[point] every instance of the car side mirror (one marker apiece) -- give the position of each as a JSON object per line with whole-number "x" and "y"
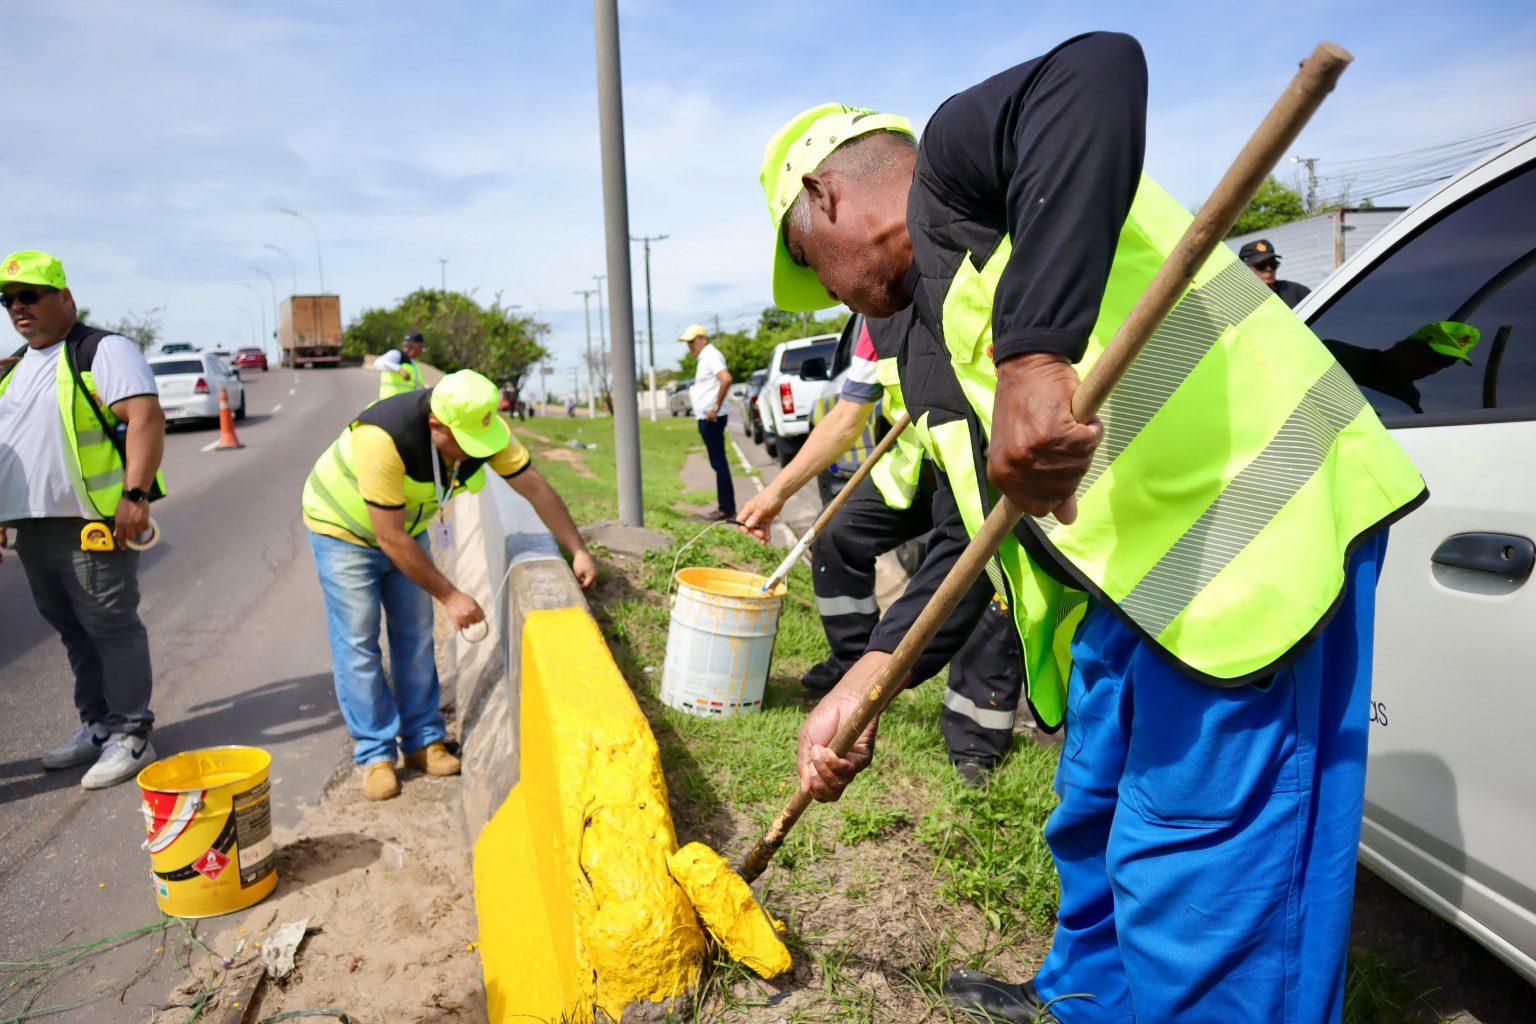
{"x": 814, "y": 368}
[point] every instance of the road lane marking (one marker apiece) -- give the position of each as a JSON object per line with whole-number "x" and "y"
{"x": 293, "y": 391}
{"x": 278, "y": 407}
{"x": 210, "y": 446}
{"x": 757, "y": 481}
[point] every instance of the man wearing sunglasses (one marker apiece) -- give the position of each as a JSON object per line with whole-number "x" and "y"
{"x": 81, "y": 437}
{"x": 1264, "y": 261}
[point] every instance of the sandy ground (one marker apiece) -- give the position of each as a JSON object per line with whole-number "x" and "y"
{"x": 388, "y": 893}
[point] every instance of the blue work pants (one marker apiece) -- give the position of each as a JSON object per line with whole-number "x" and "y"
{"x": 1206, "y": 837}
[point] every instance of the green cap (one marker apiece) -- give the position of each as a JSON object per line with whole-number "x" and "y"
{"x": 30, "y": 267}
{"x": 466, "y": 402}
{"x": 1449, "y": 338}
{"x": 796, "y": 150}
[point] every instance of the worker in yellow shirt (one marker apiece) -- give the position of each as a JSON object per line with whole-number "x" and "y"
{"x": 370, "y": 503}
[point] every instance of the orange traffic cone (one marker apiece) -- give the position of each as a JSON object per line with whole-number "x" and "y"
{"x": 227, "y": 438}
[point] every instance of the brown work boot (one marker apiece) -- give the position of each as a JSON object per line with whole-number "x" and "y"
{"x": 433, "y": 759}
{"x": 379, "y": 782}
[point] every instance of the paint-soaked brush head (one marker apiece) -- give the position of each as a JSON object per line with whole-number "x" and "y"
{"x": 725, "y": 903}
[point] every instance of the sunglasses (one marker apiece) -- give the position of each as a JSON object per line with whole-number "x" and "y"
{"x": 1266, "y": 265}
{"x": 27, "y": 296}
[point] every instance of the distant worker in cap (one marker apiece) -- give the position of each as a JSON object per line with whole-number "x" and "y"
{"x": 1264, "y": 261}
{"x": 369, "y": 503}
{"x": 76, "y": 487}
{"x": 397, "y": 368}
{"x": 1394, "y": 371}
{"x": 710, "y": 382}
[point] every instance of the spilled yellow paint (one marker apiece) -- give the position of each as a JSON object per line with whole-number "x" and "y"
{"x": 731, "y": 913}
{"x": 577, "y": 908}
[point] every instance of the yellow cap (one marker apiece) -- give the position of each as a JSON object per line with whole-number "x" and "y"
{"x": 31, "y": 267}
{"x": 466, "y": 402}
{"x": 796, "y": 150}
{"x": 693, "y": 331}
{"x": 1449, "y": 338}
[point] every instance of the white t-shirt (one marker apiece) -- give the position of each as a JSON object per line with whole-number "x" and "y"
{"x": 706, "y": 381}
{"x": 389, "y": 361}
{"x": 35, "y": 478}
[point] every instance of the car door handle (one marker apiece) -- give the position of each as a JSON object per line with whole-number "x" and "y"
{"x": 1502, "y": 554}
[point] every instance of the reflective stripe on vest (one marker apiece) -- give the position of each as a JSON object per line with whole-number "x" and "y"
{"x": 331, "y": 494}
{"x": 897, "y": 474}
{"x": 1238, "y": 466}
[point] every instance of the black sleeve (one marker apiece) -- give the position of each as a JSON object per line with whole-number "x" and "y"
{"x": 947, "y": 542}
{"x": 1055, "y": 146}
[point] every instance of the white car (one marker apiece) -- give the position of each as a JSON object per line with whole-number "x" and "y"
{"x": 189, "y": 386}
{"x": 789, "y": 392}
{"x": 1448, "y": 817}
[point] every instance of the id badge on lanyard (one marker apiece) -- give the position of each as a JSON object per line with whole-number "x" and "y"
{"x": 442, "y": 530}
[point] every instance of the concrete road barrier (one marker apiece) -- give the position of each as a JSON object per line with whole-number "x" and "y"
{"x": 564, "y": 798}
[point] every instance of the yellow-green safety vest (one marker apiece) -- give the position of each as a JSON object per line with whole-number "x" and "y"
{"x": 408, "y": 379}
{"x": 331, "y": 494}
{"x": 1238, "y": 467}
{"x": 899, "y": 470}
{"x": 95, "y": 465}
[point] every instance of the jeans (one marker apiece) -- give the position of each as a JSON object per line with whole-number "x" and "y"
{"x": 1206, "y": 837}
{"x": 91, "y": 598}
{"x": 714, "y": 443}
{"x": 359, "y": 584}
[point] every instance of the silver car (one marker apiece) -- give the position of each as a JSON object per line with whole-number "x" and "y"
{"x": 189, "y": 386}
{"x": 1448, "y": 817}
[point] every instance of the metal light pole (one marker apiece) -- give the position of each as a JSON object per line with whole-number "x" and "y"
{"x": 261, "y": 306}
{"x": 650, "y": 323}
{"x": 275, "y": 311}
{"x": 319, "y": 258}
{"x": 1311, "y": 162}
{"x": 247, "y": 311}
{"x": 443, "y": 266}
{"x": 586, "y": 304}
{"x": 293, "y": 268}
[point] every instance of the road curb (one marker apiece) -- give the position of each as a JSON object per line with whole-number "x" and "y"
{"x": 563, "y": 796}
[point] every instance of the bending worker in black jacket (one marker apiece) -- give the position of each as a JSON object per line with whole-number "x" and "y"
{"x": 1209, "y": 550}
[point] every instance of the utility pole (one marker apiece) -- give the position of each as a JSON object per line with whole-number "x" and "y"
{"x": 610, "y": 109}
{"x": 586, "y": 304}
{"x": 544, "y": 380}
{"x": 443, "y": 276}
{"x": 717, "y": 328}
{"x": 275, "y": 315}
{"x": 602, "y": 338}
{"x": 262, "y": 306}
{"x": 650, "y": 322}
{"x": 1311, "y": 162}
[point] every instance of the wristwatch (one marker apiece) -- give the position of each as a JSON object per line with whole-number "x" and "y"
{"x": 135, "y": 494}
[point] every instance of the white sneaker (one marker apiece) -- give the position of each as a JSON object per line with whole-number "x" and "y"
{"x": 84, "y": 746}
{"x": 121, "y": 758}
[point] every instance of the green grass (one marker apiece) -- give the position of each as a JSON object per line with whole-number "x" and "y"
{"x": 728, "y": 778}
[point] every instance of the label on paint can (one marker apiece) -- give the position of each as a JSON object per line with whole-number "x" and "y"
{"x": 253, "y": 834}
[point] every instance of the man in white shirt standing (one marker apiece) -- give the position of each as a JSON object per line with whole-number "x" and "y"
{"x": 81, "y": 438}
{"x": 397, "y": 369}
{"x": 710, "y": 382}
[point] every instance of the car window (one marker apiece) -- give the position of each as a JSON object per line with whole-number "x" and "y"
{"x": 171, "y": 366}
{"x": 846, "y": 344}
{"x": 795, "y": 358}
{"x": 1475, "y": 264}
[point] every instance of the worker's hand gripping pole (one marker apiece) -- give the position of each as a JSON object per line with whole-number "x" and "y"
{"x": 836, "y": 504}
{"x": 1264, "y": 149}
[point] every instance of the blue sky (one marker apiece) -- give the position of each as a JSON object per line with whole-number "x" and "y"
{"x": 155, "y": 141}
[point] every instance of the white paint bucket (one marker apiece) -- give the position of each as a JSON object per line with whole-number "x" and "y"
{"x": 720, "y": 642}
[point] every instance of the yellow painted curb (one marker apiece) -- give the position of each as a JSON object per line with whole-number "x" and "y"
{"x": 577, "y": 908}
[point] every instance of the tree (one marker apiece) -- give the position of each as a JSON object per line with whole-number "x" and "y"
{"x": 459, "y": 332}
{"x": 143, "y": 329}
{"x": 1273, "y": 205}
{"x": 601, "y": 370}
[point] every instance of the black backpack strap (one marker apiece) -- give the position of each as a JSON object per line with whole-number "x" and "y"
{"x": 80, "y": 346}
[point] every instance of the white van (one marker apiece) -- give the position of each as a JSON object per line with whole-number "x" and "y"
{"x": 1449, "y": 817}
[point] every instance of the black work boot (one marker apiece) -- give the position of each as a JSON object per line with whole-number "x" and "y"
{"x": 975, "y": 772}
{"x": 821, "y": 678}
{"x": 987, "y": 999}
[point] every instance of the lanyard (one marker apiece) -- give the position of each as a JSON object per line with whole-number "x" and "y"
{"x": 437, "y": 477}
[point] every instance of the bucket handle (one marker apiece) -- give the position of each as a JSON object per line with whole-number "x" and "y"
{"x": 672, "y": 579}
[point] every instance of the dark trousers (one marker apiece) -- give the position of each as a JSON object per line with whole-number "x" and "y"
{"x": 91, "y": 598}
{"x": 713, "y": 434}
{"x": 986, "y": 675}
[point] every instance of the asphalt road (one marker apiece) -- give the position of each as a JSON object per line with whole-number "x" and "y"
{"x": 237, "y": 634}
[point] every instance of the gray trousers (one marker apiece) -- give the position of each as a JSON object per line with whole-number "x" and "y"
{"x": 91, "y": 598}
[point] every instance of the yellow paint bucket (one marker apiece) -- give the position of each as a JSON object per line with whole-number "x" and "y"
{"x": 208, "y": 821}
{"x": 719, "y": 642}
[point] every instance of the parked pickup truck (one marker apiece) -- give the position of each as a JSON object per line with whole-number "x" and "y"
{"x": 797, "y": 372}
